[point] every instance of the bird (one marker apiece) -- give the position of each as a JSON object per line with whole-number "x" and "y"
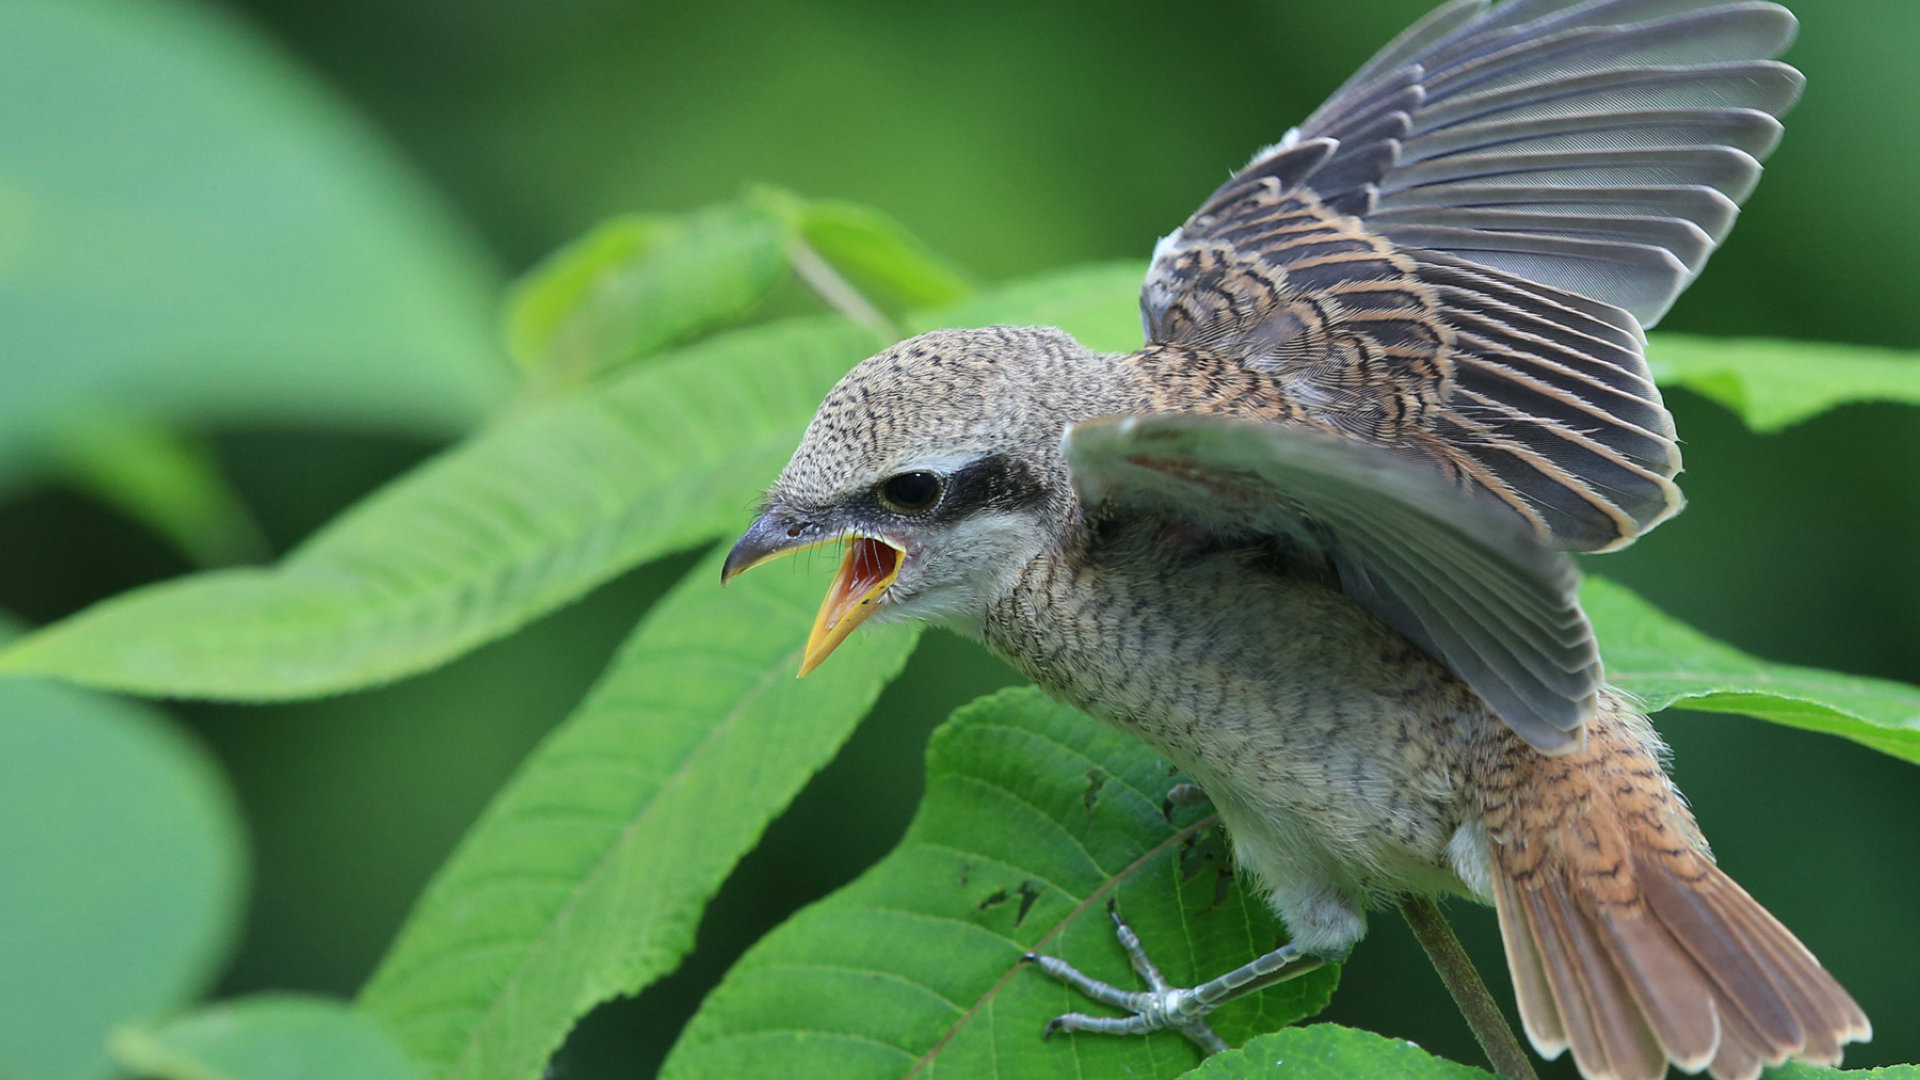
{"x": 1313, "y": 541}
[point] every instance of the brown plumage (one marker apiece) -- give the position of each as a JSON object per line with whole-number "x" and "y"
{"x": 1626, "y": 943}
{"x": 1310, "y": 541}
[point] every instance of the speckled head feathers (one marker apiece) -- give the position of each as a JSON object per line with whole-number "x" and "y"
{"x": 945, "y": 398}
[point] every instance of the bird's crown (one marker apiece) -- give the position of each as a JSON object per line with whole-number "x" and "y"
{"x": 944, "y": 398}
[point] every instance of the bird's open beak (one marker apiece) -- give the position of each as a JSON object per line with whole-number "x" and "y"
{"x": 870, "y": 565}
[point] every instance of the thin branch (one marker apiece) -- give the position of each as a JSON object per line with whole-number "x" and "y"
{"x": 839, "y": 294}
{"x": 1469, "y": 991}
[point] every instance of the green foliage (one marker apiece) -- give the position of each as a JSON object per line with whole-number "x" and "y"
{"x": 1776, "y": 384}
{"x": 637, "y": 284}
{"x": 1794, "y": 1070}
{"x": 138, "y": 924}
{"x": 161, "y": 477}
{"x": 1035, "y": 818}
{"x": 178, "y": 204}
{"x": 1330, "y": 1052}
{"x": 874, "y": 251}
{"x": 271, "y": 1037}
{"x": 1664, "y": 663}
{"x": 521, "y": 518}
{"x": 586, "y": 877}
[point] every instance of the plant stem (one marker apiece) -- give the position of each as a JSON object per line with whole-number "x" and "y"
{"x": 1469, "y": 991}
{"x": 838, "y": 293}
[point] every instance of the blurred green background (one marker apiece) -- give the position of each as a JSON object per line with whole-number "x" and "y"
{"x": 1013, "y": 137}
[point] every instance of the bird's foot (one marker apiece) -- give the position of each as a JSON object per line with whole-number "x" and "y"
{"x": 1165, "y": 1007}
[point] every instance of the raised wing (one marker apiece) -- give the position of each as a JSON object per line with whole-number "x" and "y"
{"x": 1458, "y": 252}
{"x": 1469, "y": 583}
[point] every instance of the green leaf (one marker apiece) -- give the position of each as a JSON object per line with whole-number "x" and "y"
{"x": 1035, "y": 817}
{"x": 511, "y": 524}
{"x": 193, "y": 229}
{"x": 586, "y": 877}
{"x": 516, "y": 521}
{"x": 1776, "y": 384}
{"x": 1098, "y": 303}
{"x": 1664, "y": 662}
{"x": 880, "y": 256}
{"x": 1794, "y": 1070}
{"x": 635, "y": 285}
{"x": 123, "y": 876}
{"x": 270, "y": 1037}
{"x": 1331, "y": 1052}
{"x": 163, "y": 478}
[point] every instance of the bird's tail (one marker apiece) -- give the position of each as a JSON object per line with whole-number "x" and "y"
{"x": 1626, "y": 943}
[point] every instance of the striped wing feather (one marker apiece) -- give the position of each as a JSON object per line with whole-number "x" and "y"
{"x": 1458, "y": 252}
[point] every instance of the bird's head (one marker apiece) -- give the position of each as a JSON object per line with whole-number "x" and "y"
{"x": 938, "y": 463}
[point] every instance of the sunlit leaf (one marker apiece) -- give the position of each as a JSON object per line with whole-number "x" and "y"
{"x": 1035, "y": 818}
{"x": 1776, "y": 384}
{"x": 193, "y": 228}
{"x": 635, "y": 285}
{"x": 587, "y": 876}
{"x": 1795, "y": 1070}
{"x": 121, "y": 874}
{"x": 1331, "y": 1052}
{"x": 1665, "y": 663}
{"x": 273, "y": 1037}
{"x": 521, "y": 518}
{"x": 516, "y": 521}
{"x": 880, "y": 256}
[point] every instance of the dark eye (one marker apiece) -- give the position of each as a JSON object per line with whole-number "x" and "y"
{"x": 910, "y": 492}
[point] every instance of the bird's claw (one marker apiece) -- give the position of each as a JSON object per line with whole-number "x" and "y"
{"x": 1162, "y": 1007}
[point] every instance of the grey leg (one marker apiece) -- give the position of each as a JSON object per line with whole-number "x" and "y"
{"x": 1165, "y": 1006}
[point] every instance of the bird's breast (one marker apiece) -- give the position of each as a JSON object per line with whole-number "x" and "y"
{"x": 1278, "y": 694}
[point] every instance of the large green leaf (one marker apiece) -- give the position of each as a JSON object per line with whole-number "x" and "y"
{"x": 521, "y": 518}
{"x": 192, "y": 228}
{"x": 121, "y": 873}
{"x": 1664, "y": 662}
{"x": 586, "y": 877}
{"x": 509, "y": 525}
{"x": 272, "y": 1037}
{"x": 1775, "y": 384}
{"x": 875, "y": 252}
{"x": 635, "y": 285}
{"x": 1035, "y": 818}
{"x": 1331, "y": 1052}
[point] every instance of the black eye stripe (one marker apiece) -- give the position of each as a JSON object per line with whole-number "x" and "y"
{"x": 993, "y": 483}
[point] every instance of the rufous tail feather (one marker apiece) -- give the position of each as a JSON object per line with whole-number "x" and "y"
{"x": 1626, "y": 943}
